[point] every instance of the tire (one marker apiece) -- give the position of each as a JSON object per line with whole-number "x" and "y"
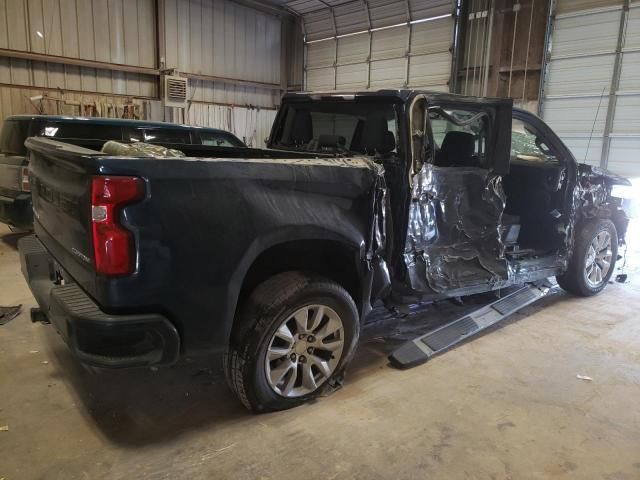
{"x": 577, "y": 279}
{"x": 266, "y": 326}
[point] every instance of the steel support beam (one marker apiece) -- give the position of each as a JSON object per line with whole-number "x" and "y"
{"x": 615, "y": 84}
{"x": 41, "y": 57}
{"x": 117, "y": 67}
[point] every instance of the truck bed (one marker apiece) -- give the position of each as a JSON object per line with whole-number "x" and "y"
{"x": 201, "y": 223}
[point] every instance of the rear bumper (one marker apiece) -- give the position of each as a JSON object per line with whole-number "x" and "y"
{"x": 95, "y": 337}
{"x": 17, "y": 211}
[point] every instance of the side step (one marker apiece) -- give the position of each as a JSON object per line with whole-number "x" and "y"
{"x": 420, "y": 349}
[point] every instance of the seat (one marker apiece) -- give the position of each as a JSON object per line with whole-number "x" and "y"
{"x": 457, "y": 150}
{"x": 302, "y": 129}
{"x": 373, "y": 137}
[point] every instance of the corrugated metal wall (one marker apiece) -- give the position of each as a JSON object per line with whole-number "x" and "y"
{"x": 380, "y": 44}
{"x": 224, "y": 39}
{"x": 232, "y": 43}
{"x": 114, "y": 31}
{"x": 598, "y": 120}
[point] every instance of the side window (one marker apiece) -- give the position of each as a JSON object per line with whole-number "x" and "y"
{"x": 460, "y": 137}
{"x": 159, "y": 135}
{"x": 80, "y": 130}
{"x": 219, "y": 139}
{"x": 527, "y": 146}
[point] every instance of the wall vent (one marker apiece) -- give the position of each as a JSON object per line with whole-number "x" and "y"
{"x": 176, "y": 91}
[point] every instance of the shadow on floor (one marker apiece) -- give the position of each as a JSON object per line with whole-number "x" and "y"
{"x": 143, "y": 406}
{"x": 11, "y": 239}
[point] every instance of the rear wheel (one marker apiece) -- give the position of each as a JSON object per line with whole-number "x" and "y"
{"x": 294, "y": 338}
{"x": 593, "y": 259}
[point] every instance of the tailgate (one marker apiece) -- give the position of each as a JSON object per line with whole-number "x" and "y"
{"x": 60, "y": 183}
{"x": 11, "y": 175}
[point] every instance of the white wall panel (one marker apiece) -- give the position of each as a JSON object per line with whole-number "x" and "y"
{"x": 353, "y": 77}
{"x": 320, "y": 79}
{"x": 576, "y": 117}
{"x": 351, "y": 18}
{"x": 586, "y": 34}
{"x": 390, "y": 43}
{"x": 625, "y": 156}
{"x": 217, "y": 92}
{"x": 252, "y": 126}
{"x": 388, "y": 73}
{"x": 116, "y": 31}
{"x": 578, "y": 84}
{"x": 224, "y": 39}
{"x": 430, "y": 72}
{"x": 353, "y": 49}
{"x": 66, "y": 77}
{"x": 319, "y": 25}
{"x": 322, "y": 54}
{"x": 415, "y": 56}
{"x": 630, "y": 72}
{"x": 580, "y": 75}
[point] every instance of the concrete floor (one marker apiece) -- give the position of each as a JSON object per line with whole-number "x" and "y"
{"x": 507, "y": 405}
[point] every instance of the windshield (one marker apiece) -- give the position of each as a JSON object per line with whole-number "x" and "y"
{"x": 338, "y": 127}
{"x": 12, "y": 137}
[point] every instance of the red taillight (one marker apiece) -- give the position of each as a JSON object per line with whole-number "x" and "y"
{"x": 113, "y": 245}
{"x": 25, "y": 185}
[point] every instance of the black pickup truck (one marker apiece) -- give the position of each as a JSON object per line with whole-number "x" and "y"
{"x": 276, "y": 256}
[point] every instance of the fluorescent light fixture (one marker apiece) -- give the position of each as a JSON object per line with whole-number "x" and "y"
{"x": 320, "y": 40}
{"x": 352, "y": 34}
{"x": 439, "y": 17}
{"x": 377, "y": 29}
{"x": 390, "y": 26}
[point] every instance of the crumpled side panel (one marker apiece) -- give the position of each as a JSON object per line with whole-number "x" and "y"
{"x": 454, "y": 238}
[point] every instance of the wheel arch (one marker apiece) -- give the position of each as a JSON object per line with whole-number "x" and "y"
{"x": 316, "y": 250}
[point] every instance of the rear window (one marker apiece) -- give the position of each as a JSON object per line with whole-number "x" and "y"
{"x": 159, "y": 135}
{"x": 12, "y": 137}
{"x": 220, "y": 139}
{"x": 86, "y": 131}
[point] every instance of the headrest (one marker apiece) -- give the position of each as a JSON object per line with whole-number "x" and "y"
{"x": 389, "y": 142}
{"x": 302, "y": 129}
{"x": 331, "y": 141}
{"x": 375, "y": 136}
{"x": 458, "y": 148}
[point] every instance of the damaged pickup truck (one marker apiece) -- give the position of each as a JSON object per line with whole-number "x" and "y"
{"x": 276, "y": 257}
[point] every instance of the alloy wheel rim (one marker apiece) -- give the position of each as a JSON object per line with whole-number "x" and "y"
{"x": 598, "y": 261}
{"x": 304, "y": 351}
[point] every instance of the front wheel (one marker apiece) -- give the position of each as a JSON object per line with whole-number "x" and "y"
{"x": 593, "y": 260}
{"x": 294, "y": 336}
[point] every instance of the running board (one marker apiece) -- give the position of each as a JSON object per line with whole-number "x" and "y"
{"x": 420, "y": 349}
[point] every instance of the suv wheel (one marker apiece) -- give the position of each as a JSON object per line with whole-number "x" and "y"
{"x": 593, "y": 260}
{"x": 294, "y": 336}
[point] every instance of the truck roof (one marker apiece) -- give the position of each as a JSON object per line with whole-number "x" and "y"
{"x": 112, "y": 121}
{"x": 399, "y": 94}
